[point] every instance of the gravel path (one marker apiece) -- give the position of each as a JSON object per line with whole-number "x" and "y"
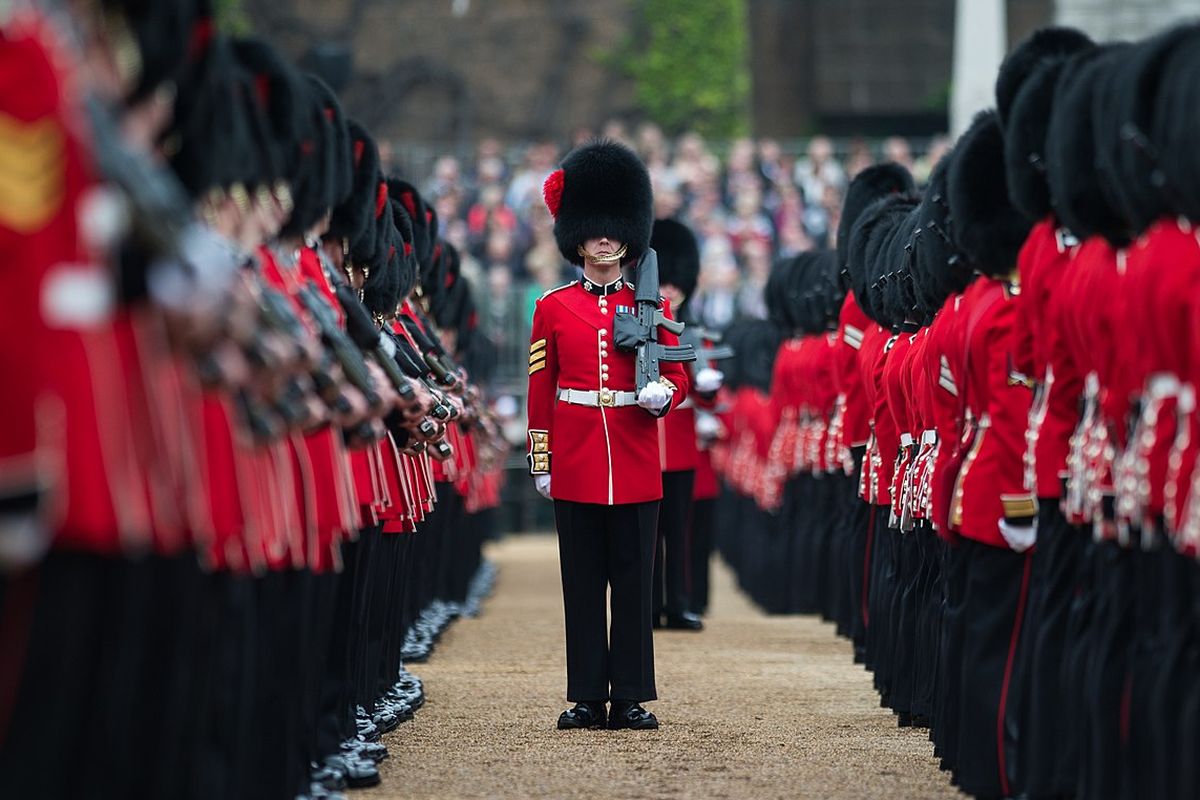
{"x": 753, "y": 707}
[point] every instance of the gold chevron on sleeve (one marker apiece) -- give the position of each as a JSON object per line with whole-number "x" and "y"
{"x": 32, "y": 170}
{"x": 538, "y": 365}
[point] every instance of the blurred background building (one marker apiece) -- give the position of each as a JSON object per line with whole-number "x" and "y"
{"x": 452, "y": 71}
{"x": 752, "y": 116}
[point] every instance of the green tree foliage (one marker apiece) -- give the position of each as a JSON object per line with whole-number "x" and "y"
{"x": 689, "y": 63}
{"x": 231, "y": 17}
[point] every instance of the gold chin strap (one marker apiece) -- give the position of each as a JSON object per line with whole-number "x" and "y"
{"x": 615, "y": 258}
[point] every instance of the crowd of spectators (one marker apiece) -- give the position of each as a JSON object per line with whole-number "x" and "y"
{"x": 749, "y": 203}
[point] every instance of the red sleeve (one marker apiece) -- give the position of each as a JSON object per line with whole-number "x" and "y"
{"x": 1030, "y": 304}
{"x": 1009, "y": 398}
{"x": 676, "y": 376}
{"x": 543, "y": 381}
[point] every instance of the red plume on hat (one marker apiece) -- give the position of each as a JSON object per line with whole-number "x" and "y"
{"x": 552, "y": 191}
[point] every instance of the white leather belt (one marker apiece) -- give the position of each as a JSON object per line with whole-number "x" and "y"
{"x": 929, "y": 437}
{"x": 604, "y": 397}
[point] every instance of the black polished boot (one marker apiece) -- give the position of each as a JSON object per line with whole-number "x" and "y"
{"x": 627, "y": 715}
{"x": 583, "y": 716}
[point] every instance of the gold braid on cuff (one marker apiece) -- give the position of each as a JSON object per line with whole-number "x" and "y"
{"x": 539, "y": 453}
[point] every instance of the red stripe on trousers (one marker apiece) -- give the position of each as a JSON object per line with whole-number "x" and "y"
{"x": 1008, "y": 668}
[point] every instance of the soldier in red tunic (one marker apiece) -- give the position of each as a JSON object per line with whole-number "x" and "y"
{"x": 678, "y": 270}
{"x": 593, "y": 439}
{"x": 990, "y": 508}
{"x": 850, "y": 428}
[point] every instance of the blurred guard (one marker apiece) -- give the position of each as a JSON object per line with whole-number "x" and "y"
{"x": 678, "y": 270}
{"x": 593, "y": 439}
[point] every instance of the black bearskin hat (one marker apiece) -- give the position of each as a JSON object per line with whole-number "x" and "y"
{"x": 422, "y": 222}
{"x": 313, "y": 186}
{"x": 163, "y": 30}
{"x": 1176, "y": 127}
{"x": 779, "y": 295}
{"x": 1025, "y": 142}
{"x": 936, "y": 266}
{"x": 987, "y": 227}
{"x": 1043, "y": 46}
{"x": 1075, "y": 185}
{"x": 812, "y": 297}
{"x": 408, "y": 265}
{"x": 214, "y": 144}
{"x": 678, "y": 255}
{"x": 888, "y": 262}
{"x": 868, "y": 239}
{"x": 602, "y": 189}
{"x": 868, "y": 186}
{"x": 340, "y": 153}
{"x": 1131, "y": 163}
{"x": 357, "y": 210}
{"x": 756, "y": 342}
{"x": 284, "y": 100}
{"x": 828, "y": 292}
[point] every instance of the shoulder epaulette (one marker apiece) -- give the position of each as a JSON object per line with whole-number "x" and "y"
{"x": 555, "y": 289}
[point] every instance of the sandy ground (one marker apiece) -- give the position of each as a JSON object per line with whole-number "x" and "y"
{"x": 752, "y": 707}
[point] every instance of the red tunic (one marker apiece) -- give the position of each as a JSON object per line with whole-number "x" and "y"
{"x": 1093, "y": 307}
{"x": 823, "y": 391}
{"x": 1041, "y": 354}
{"x": 991, "y": 482}
{"x": 870, "y": 352}
{"x": 677, "y": 436}
{"x": 943, "y": 355}
{"x": 66, "y": 441}
{"x": 1162, "y": 277}
{"x": 605, "y": 455}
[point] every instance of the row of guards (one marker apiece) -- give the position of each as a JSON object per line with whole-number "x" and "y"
{"x": 968, "y": 436}
{"x": 246, "y": 466}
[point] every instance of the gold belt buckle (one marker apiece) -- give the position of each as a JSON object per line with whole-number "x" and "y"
{"x": 607, "y": 397}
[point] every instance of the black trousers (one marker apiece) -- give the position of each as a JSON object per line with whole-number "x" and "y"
{"x": 993, "y": 612}
{"x": 955, "y": 559}
{"x": 1105, "y": 679}
{"x": 703, "y": 520}
{"x": 1178, "y": 623}
{"x": 601, "y": 547}
{"x": 671, "y": 562}
{"x": 56, "y": 618}
{"x": 1042, "y": 737}
{"x": 858, "y": 568}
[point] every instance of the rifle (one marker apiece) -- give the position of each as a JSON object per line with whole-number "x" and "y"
{"x": 638, "y": 332}
{"x": 277, "y": 315}
{"x": 697, "y": 336}
{"x": 373, "y": 342}
{"x": 383, "y": 351}
{"x": 348, "y": 356}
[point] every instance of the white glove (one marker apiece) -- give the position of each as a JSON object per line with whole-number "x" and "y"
{"x": 654, "y": 397}
{"x": 708, "y": 380}
{"x": 707, "y": 425}
{"x": 542, "y": 484}
{"x": 1019, "y": 537}
{"x": 23, "y": 541}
